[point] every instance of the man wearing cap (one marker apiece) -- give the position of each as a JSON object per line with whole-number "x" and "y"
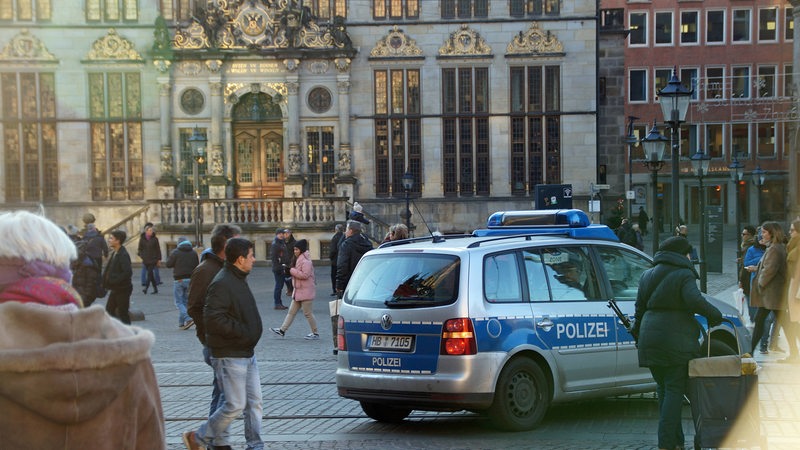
{"x": 280, "y": 256}
{"x": 667, "y": 332}
{"x": 182, "y": 260}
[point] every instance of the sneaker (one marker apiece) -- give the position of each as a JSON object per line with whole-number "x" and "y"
{"x": 764, "y": 351}
{"x": 188, "y": 324}
{"x": 311, "y": 336}
{"x": 281, "y": 307}
{"x": 278, "y": 331}
{"x": 190, "y": 442}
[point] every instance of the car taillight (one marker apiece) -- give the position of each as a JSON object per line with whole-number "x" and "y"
{"x": 458, "y": 338}
{"x": 340, "y": 343}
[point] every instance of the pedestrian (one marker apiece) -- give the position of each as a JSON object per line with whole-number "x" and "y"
{"x": 150, "y": 252}
{"x": 389, "y": 235}
{"x": 156, "y": 272}
{"x": 88, "y": 267}
{"x": 353, "y": 247}
{"x": 751, "y": 260}
{"x": 288, "y": 237}
{"x": 72, "y": 378}
{"x": 280, "y": 256}
{"x": 211, "y": 263}
{"x": 643, "y": 219}
{"x": 683, "y": 231}
{"x": 748, "y": 239}
{"x": 667, "y": 333}
{"x": 625, "y": 233}
{"x": 637, "y": 232}
{"x": 791, "y": 325}
{"x": 358, "y": 214}
{"x": 333, "y": 253}
{"x": 302, "y": 273}
{"x": 768, "y": 290}
{"x": 182, "y": 261}
{"x": 117, "y": 278}
{"x": 233, "y": 329}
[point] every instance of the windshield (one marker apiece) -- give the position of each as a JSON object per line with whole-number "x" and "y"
{"x": 402, "y": 280}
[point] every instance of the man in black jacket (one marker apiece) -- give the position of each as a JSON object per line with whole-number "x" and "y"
{"x": 117, "y": 278}
{"x": 182, "y": 260}
{"x": 352, "y": 248}
{"x": 233, "y": 328}
{"x": 667, "y": 332}
{"x": 280, "y": 256}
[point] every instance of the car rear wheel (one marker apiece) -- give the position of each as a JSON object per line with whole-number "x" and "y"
{"x": 521, "y": 397}
{"x": 384, "y": 413}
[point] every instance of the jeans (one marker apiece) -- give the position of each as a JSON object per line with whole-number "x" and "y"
{"x": 151, "y": 277}
{"x": 672, "y": 384}
{"x": 118, "y": 304}
{"x": 155, "y": 274}
{"x": 241, "y": 385}
{"x": 761, "y": 328}
{"x": 280, "y": 279}
{"x": 217, "y": 397}
{"x": 180, "y": 289}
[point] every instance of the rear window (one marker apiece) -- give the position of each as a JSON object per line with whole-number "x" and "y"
{"x": 404, "y": 280}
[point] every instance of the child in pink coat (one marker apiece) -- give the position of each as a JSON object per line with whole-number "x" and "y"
{"x": 305, "y": 289}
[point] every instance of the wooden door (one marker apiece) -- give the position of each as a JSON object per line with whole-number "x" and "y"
{"x": 258, "y": 160}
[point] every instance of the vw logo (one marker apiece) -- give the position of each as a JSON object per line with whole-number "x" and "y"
{"x": 386, "y": 321}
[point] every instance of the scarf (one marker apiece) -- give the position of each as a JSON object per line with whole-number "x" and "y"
{"x": 42, "y": 290}
{"x": 13, "y": 269}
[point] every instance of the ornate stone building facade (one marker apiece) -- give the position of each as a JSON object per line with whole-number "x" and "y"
{"x": 302, "y": 107}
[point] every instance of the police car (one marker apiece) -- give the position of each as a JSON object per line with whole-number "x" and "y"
{"x": 506, "y": 321}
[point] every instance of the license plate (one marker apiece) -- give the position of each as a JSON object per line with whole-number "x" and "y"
{"x": 389, "y": 342}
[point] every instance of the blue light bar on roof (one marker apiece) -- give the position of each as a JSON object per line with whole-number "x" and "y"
{"x": 572, "y": 218}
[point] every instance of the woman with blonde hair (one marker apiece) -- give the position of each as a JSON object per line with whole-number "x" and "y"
{"x": 768, "y": 290}
{"x": 70, "y": 377}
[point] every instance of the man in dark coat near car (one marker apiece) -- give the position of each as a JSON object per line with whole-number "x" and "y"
{"x": 667, "y": 332}
{"x": 353, "y": 246}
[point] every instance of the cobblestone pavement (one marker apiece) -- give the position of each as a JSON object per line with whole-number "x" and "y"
{"x": 303, "y": 411}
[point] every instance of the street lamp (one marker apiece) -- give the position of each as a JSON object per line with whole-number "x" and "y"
{"x": 736, "y": 169}
{"x": 654, "y": 145}
{"x": 197, "y": 144}
{"x": 408, "y": 184}
{"x": 632, "y": 141}
{"x": 700, "y": 162}
{"x": 759, "y": 175}
{"x": 674, "y": 100}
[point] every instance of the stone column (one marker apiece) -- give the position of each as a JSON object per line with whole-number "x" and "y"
{"x": 216, "y": 161}
{"x": 345, "y": 181}
{"x": 167, "y": 182}
{"x": 792, "y": 127}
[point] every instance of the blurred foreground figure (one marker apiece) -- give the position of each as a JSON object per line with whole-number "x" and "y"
{"x": 70, "y": 377}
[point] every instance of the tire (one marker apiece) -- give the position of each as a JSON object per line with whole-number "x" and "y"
{"x": 382, "y": 412}
{"x": 521, "y": 397}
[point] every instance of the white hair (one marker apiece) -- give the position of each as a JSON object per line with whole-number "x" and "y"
{"x": 32, "y": 237}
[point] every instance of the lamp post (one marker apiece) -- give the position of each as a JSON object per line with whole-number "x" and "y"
{"x": 736, "y": 169}
{"x": 197, "y": 144}
{"x": 759, "y": 175}
{"x": 632, "y": 141}
{"x": 408, "y": 184}
{"x": 674, "y": 100}
{"x": 654, "y": 145}
{"x": 700, "y": 162}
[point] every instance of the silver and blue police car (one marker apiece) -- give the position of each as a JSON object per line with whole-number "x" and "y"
{"x": 506, "y": 320}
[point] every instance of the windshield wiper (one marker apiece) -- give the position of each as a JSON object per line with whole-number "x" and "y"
{"x": 413, "y": 302}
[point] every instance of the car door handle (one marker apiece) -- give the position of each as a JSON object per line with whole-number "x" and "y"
{"x": 546, "y": 324}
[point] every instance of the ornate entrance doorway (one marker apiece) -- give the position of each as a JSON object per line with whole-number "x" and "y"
{"x": 258, "y": 147}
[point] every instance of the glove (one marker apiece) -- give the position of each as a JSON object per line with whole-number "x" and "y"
{"x": 286, "y": 270}
{"x": 714, "y": 321}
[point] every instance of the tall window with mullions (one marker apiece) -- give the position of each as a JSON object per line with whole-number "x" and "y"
{"x": 321, "y": 163}
{"x": 398, "y": 130}
{"x": 465, "y": 134}
{"x": 187, "y": 166}
{"x": 535, "y": 127}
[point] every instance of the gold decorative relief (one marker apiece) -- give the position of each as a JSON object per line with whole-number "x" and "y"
{"x": 534, "y": 41}
{"x": 26, "y": 47}
{"x": 113, "y": 47}
{"x": 465, "y": 42}
{"x": 395, "y": 45}
{"x": 191, "y": 38}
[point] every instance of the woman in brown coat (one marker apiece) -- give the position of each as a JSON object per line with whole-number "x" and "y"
{"x": 768, "y": 292}
{"x": 792, "y": 323}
